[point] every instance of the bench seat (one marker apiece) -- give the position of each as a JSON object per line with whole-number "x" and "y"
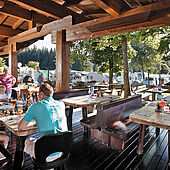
{"x": 90, "y": 122}
{"x": 101, "y": 125}
{"x": 145, "y": 96}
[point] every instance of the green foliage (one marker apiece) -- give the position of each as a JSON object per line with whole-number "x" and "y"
{"x": 45, "y": 57}
{"x": 80, "y": 84}
{"x": 164, "y": 47}
{"x": 145, "y": 56}
{"x": 33, "y": 64}
{"x": 2, "y": 62}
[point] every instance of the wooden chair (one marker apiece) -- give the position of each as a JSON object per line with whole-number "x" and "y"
{"x": 7, "y": 157}
{"x": 46, "y": 145}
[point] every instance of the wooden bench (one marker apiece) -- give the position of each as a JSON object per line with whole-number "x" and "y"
{"x": 141, "y": 88}
{"x": 118, "y": 88}
{"x": 101, "y": 125}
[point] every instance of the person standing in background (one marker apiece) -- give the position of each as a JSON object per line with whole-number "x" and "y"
{"x": 8, "y": 81}
{"x": 39, "y": 78}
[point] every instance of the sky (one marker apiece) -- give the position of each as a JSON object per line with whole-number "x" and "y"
{"x": 44, "y": 43}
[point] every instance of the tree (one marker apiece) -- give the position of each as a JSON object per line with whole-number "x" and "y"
{"x": 144, "y": 58}
{"x": 2, "y": 62}
{"x": 33, "y": 64}
{"x": 45, "y": 57}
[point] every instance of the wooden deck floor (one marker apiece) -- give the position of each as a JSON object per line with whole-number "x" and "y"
{"x": 89, "y": 154}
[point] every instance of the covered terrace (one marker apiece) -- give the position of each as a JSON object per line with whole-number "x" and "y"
{"x": 23, "y": 22}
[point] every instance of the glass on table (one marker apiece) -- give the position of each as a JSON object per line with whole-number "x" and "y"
{"x": 20, "y": 109}
{"x": 13, "y": 103}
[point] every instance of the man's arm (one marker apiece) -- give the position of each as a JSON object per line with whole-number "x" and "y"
{"x": 23, "y": 125}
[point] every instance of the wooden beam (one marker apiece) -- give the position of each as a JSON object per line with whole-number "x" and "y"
{"x": 3, "y": 43}
{"x": 4, "y": 50}
{"x": 8, "y": 32}
{"x": 1, "y": 4}
{"x": 21, "y": 46}
{"x": 3, "y": 18}
{"x": 107, "y": 8}
{"x": 49, "y": 8}
{"x": 20, "y": 13}
{"x": 71, "y": 2}
{"x": 132, "y": 3}
{"x": 62, "y": 62}
{"x": 79, "y": 31}
{"x": 32, "y": 23}
{"x": 61, "y": 2}
{"x": 124, "y": 21}
{"x": 83, "y": 33}
{"x": 17, "y": 24}
{"x": 46, "y": 29}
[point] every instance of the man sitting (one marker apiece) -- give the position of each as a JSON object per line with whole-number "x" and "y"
{"x": 49, "y": 115}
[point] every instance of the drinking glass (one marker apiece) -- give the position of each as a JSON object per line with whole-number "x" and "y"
{"x": 20, "y": 109}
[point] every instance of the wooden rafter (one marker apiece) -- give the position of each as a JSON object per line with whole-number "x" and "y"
{"x": 20, "y": 13}
{"x": 4, "y": 50}
{"x": 49, "y": 8}
{"x": 119, "y": 22}
{"x": 71, "y": 2}
{"x": 99, "y": 11}
{"x": 112, "y": 11}
{"x": 132, "y": 3}
{"x": 8, "y": 32}
{"x": 3, "y": 43}
{"x": 17, "y": 24}
{"x": 3, "y": 18}
{"x": 21, "y": 46}
{"x": 46, "y": 29}
{"x": 80, "y": 31}
{"x": 83, "y": 33}
{"x": 61, "y": 2}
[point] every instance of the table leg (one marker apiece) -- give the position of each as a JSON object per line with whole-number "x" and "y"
{"x": 84, "y": 112}
{"x": 169, "y": 148}
{"x": 69, "y": 114}
{"x": 157, "y": 131}
{"x": 19, "y": 153}
{"x": 153, "y": 96}
{"x": 141, "y": 139}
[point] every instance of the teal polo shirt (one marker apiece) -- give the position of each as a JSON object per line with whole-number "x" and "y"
{"x": 49, "y": 115}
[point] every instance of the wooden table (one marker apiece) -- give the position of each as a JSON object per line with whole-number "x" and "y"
{"x": 101, "y": 86}
{"x": 154, "y": 92}
{"x": 84, "y": 102}
{"x": 11, "y": 123}
{"x": 147, "y": 116}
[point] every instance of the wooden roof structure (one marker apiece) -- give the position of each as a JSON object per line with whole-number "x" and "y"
{"x": 22, "y": 22}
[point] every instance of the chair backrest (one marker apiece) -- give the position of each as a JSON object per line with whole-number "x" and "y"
{"x": 46, "y": 145}
{"x": 7, "y": 157}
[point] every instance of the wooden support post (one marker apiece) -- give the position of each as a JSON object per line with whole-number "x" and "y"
{"x": 141, "y": 139}
{"x": 126, "y": 68}
{"x": 13, "y": 61}
{"x": 62, "y": 62}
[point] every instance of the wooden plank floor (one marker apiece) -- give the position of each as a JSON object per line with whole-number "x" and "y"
{"x": 90, "y": 154}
